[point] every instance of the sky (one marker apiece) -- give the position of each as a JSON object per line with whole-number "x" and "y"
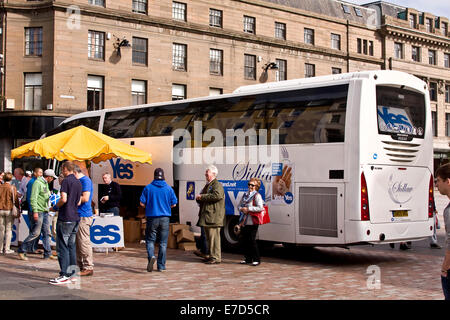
{"x": 436, "y": 7}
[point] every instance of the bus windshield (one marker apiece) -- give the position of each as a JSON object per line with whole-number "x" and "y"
{"x": 401, "y": 113}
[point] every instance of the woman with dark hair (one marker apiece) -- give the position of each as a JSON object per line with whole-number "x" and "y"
{"x": 251, "y": 202}
{"x": 443, "y": 185}
{"x": 8, "y": 199}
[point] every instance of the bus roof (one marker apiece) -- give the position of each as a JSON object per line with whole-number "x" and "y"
{"x": 298, "y": 83}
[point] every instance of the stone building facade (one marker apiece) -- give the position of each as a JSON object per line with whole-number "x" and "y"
{"x": 61, "y": 58}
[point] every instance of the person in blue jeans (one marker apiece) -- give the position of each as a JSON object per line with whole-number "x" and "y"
{"x": 158, "y": 198}
{"x": 443, "y": 185}
{"x": 39, "y": 215}
{"x": 33, "y": 246}
{"x": 67, "y": 225}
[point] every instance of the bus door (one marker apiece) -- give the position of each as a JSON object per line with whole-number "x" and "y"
{"x": 319, "y": 212}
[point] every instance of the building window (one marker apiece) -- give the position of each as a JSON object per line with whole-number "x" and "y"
{"x": 33, "y": 41}
{"x": 281, "y": 73}
{"x": 280, "y": 30}
{"x": 250, "y": 67}
{"x": 216, "y": 62}
{"x": 428, "y": 24}
{"x": 433, "y": 91}
{"x": 345, "y": 8}
{"x": 309, "y": 36}
{"x": 447, "y": 124}
{"x": 96, "y": 45}
{"x": 179, "y": 58}
{"x": 432, "y": 57}
{"x": 97, "y": 2}
{"x": 335, "y": 41}
{"x": 95, "y": 85}
{"x": 371, "y": 48}
{"x": 310, "y": 70}
{"x": 138, "y": 92}
{"x": 178, "y": 92}
{"x": 415, "y": 53}
{"x": 249, "y": 24}
{"x": 140, "y": 51}
{"x": 398, "y": 50}
{"x": 179, "y": 11}
{"x": 215, "y": 18}
{"x": 412, "y": 20}
{"x": 447, "y": 60}
{"x": 434, "y": 123}
{"x": 447, "y": 93}
{"x": 33, "y": 91}
{"x": 140, "y": 6}
{"x": 444, "y": 28}
{"x": 358, "y": 12}
{"x": 336, "y": 70}
{"x": 215, "y": 91}
{"x": 364, "y": 46}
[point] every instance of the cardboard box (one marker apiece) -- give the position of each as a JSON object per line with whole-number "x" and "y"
{"x": 187, "y": 246}
{"x": 176, "y": 227}
{"x": 131, "y": 231}
{"x": 172, "y": 242}
{"x": 141, "y": 213}
{"x": 185, "y": 235}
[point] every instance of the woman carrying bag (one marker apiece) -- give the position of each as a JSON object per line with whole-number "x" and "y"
{"x": 251, "y": 202}
{"x": 9, "y": 203}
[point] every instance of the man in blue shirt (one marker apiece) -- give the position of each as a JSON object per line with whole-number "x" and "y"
{"x": 157, "y": 198}
{"x": 85, "y": 258}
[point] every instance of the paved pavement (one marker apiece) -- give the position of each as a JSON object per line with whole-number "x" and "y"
{"x": 285, "y": 274}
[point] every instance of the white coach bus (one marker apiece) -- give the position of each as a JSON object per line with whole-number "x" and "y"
{"x": 344, "y": 159}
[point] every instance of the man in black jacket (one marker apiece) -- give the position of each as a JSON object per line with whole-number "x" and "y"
{"x": 110, "y": 195}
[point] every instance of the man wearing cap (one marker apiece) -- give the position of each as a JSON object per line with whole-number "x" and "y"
{"x": 157, "y": 198}
{"x": 40, "y": 194}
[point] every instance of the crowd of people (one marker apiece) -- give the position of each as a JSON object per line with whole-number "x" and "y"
{"x": 72, "y": 216}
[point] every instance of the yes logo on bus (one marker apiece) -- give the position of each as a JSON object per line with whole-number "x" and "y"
{"x": 394, "y": 119}
{"x": 120, "y": 170}
{"x": 105, "y": 234}
{"x": 234, "y": 190}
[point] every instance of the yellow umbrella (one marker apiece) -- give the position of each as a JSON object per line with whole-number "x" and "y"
{"x": 81, "y": 143}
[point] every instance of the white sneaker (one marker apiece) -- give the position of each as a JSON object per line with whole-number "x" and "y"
{"x": 9, "y": 251}
{"x": 60, "y": 280}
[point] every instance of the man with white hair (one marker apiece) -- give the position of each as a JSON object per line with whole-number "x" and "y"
{"x": 212, "y": 213}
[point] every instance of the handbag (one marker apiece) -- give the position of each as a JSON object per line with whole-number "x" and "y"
{"x": 261, "y": 217}
{"x": 14, "y": 211}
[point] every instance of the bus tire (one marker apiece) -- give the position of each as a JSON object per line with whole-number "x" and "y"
{"x": 228, "y": 239}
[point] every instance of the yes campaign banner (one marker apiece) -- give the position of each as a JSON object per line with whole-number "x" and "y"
{"x": 234, "y": 190}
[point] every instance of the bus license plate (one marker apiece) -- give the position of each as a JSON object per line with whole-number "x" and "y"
{"x": 400, "y": 213}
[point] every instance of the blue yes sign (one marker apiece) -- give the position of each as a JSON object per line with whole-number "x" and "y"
{"x": 120, "y": 170}
{"x": 107, "y": 232}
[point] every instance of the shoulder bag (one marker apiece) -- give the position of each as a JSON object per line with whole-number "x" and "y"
{"x": 14, "y": 211}
{"x": 261, "y": 217}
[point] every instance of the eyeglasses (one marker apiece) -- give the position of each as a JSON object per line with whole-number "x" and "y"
{"x": 251, "y": 185}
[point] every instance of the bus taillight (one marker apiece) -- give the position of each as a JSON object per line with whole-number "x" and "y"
{"x": 431, "y": 198}
{"x": 364, "y": 199}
